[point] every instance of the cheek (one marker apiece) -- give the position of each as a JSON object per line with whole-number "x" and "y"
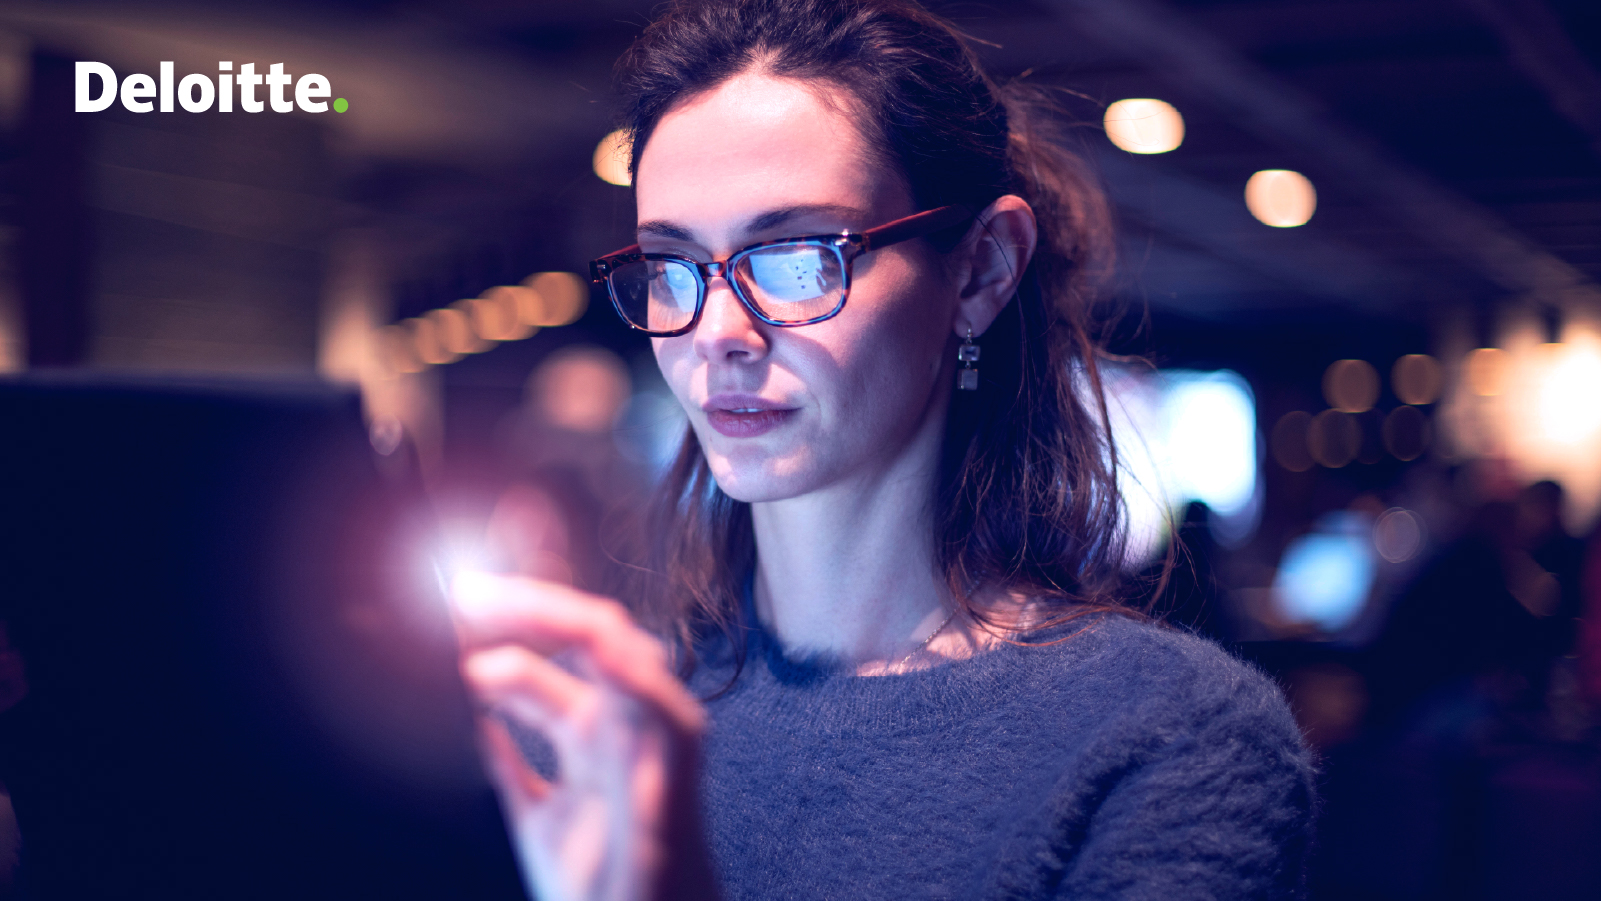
{"x": 895, "y": 353}
{"x": 675, "y": 359}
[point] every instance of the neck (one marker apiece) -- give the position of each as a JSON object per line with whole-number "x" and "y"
{"x": 849, "y": 570}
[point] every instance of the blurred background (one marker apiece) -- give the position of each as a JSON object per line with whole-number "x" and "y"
{"x": 1361, "y": 241}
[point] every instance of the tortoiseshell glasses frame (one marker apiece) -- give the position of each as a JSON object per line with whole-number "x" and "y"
{"x": 650, "y": 290}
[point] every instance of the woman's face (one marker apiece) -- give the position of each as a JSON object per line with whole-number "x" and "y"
{"x": 782, "y": 412}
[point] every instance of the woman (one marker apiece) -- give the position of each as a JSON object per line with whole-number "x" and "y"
{"x": 888, "y": 550}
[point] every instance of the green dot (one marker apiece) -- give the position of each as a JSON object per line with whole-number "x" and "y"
{"x": 341, "y": 105}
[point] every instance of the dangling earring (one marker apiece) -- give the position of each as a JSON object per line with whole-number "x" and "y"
{"x": 967, "y": 376}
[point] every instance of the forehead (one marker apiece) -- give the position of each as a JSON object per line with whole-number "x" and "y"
{"x": 753, "y": 144}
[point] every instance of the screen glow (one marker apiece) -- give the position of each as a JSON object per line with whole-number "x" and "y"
{"x": 1325, "y": 576}
{"x": 1182, "y": 436}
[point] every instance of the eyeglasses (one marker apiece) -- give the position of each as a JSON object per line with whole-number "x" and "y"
{"x": 794, "y": 281}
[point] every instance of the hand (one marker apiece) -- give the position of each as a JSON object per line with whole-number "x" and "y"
{"x": 621, "y": 823}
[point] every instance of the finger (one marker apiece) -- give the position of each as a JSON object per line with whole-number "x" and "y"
{"x": 527, "y": 686}
{"x": 653, "y": 684}
{"x": 519, "y": 784}
{"x": 548, "y": 617}
{"x": 492, "y": 609}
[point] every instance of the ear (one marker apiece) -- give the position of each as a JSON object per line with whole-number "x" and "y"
{"x": 990, "y": 262}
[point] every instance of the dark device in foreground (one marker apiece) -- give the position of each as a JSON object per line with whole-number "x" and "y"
{"x": 241, "y": 674}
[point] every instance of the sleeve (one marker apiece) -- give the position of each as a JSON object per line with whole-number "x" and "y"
{"x": 1205, "y": 792}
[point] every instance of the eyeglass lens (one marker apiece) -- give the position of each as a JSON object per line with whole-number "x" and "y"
{"x": 784, "y": 282}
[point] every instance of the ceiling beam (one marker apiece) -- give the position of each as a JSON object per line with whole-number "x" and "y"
{"x": 1537, "y": 45}
{"x": 1170, "y": 47}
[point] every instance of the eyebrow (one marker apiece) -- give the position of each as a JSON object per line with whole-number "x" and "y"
{"x": 663, "y": 228}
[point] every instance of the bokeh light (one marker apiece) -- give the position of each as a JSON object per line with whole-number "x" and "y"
{"x": 494, "y": 314}
{"x": 563, "y": 297}
{"x": 1351, "y": 386}
{"x": 1486, "y": 370}
{"x": 1184, "y": 435}
{"x": 454, "y": 332}
{"x": 1280, "y": 198}
{"x": 1406, "y": 433}
{"x": 1210, "y": 431}
{"x": 1288, "y": 441}
{"x": 1416, "y": 379}
{"x": 581, "y": 389}
{"x": 1398, "y": 535}
{"x": 1568, "y": 396}
{"x": 1324, "y": 577}
{"x": 1334, "y": 438}
{"x": 1535, "y": 405}
{"x": 611, "y": 158}
{"x": 1144, "y": 125}
{"x": 427, "y": 343}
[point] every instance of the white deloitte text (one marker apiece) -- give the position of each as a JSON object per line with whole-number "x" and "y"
{"x": 196, "y": 93}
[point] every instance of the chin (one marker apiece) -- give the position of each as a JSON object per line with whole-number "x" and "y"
{"x": 757, "y": 480}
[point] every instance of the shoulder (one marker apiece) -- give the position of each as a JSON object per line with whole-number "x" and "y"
{"x": 1140, "y": 684}
{"x": 1130, "y": 661}
{"x": 1182, "y": 768}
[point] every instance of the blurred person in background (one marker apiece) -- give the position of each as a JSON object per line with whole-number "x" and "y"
{"x": 1551, "y": 583}
{"x": 1460, "y": 629}
{"x": 1588, "y": 645}
{"x": 879, "y": 647}
{"x": 1490, "y": 615}
{"x": 573, "y": 491}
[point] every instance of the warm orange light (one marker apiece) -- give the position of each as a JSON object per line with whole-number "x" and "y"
{"x": 1280, "y": 198}
{"x": 1416, "y": 379}
{"x": 1350, "y": 386}
{"x": 398, "y": 350}
{"x": 563, "y": 298}
{"x": 1487, "y": 371}
{"x": 455, "y": 332}
{"x": 611, "y": 158}
{"x": 1144, "y": 125}
{"x": 427, "y": 343}
{"x": 495, "y": 314}
{"x": 1566, "y": 400}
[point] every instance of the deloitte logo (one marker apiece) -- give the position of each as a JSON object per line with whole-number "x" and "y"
{"x": 196, "y": 93}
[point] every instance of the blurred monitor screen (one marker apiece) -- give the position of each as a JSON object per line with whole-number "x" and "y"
{"x": 240, "y": 674}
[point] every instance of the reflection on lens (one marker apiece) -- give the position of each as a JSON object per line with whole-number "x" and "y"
{"x": 792, "y": 283}
{"x": 658, "y": 295}
{"x": 673, "y": 284}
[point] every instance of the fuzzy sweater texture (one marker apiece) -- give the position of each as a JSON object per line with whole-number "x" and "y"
{"x": 1131, "y": 761}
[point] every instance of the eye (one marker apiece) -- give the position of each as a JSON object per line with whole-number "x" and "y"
{"x": 679, "y": 278}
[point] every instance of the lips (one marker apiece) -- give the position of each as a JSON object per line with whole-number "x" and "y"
{"x": 745, "y": 416}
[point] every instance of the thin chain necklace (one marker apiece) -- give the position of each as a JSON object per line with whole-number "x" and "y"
{"x": 924, "y": 643}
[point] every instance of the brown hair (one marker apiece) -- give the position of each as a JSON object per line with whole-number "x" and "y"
{"x": 1027, "y": 498}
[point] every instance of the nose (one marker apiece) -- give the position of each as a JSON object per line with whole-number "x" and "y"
{"x": 727, "y": 332}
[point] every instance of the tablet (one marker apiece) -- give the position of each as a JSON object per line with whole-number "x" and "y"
{"x": 241, "y": 675}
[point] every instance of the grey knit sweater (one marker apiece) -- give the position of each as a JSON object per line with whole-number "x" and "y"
{"x": 1131, "y": 761}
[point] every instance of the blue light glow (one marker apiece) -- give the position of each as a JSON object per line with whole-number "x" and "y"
{"x": 1209, "y": 421}
{"x": 1184, "y": 435}
{"x": 1325, "y": 576}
